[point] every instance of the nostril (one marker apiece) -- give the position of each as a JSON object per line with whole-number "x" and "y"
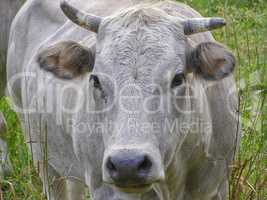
{"x": 126, "y": 167}
{"x": 110, "y": 166}
{"x": 145, "y": 165}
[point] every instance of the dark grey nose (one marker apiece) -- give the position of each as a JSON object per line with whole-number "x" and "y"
{"x": 129, "y": 168}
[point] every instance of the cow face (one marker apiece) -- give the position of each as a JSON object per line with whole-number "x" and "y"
{"x": 142, "y": 89}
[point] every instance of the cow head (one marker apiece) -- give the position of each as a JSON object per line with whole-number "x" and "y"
{"x": 142, "y": 64}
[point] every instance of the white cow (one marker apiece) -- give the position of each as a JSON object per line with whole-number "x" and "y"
{"x": 8, "y": 9}
{"x": 139, "y": 103}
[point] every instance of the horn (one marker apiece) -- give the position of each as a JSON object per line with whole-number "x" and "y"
{"x": 87, "y": 21}
{"x": 197, "y": 25}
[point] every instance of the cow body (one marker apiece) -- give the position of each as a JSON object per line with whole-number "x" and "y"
{"x": 8, "y": 10}
{"x": 188, "y": 166}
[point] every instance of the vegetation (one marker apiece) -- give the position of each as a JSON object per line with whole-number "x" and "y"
{"x": 246, "y": 36}
{"x": 23, "y": 183}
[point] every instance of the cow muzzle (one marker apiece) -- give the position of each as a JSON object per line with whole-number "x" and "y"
{"x": 132, "y": 170}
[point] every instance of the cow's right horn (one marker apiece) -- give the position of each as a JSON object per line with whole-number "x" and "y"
{"x": 87, "y": 21}
{"x": 197, "y": 25}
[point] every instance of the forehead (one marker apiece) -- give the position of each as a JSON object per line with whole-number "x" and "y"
{"x": 140, "y": 43}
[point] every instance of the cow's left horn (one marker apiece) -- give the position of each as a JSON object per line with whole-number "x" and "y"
{"x": 87, "y": 21}
{"x": 196, "y": 25}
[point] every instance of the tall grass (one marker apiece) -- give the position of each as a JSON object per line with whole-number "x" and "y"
{"x": 246, "y": 36}
{"x": 23, "y": 183}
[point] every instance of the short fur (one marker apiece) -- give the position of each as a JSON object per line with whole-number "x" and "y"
{"x": 143, "y": 47}
{"x": 211, "y": 60}
{"x": 67, "y": 60}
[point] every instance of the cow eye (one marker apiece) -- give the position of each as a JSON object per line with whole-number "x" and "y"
{"x": 178, "y": 80}
{"x": 96, "y": 81}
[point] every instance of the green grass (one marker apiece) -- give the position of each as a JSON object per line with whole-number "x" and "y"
{"x": 23, "y": 183}
{"x": 246, "y": 36}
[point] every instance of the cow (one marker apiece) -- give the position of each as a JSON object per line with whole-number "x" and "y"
{"x": 8, "y": 9}
{"x": 132, "y": 99}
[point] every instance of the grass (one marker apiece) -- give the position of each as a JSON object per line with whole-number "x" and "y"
{"x": 246, "y": 36}
{"x": 23, "y": 183}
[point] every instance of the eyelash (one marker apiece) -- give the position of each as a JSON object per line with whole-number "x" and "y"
{"x": 97, "y": 85}
{"x": 177, "y": 80}
{"x": 96, "y": 82}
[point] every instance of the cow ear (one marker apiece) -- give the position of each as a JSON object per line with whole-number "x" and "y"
{"x": 211, "y": 60}
{"x": 67, "y": 60}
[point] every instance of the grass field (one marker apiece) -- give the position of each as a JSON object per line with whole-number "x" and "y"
{"x": 246, "y": 36}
